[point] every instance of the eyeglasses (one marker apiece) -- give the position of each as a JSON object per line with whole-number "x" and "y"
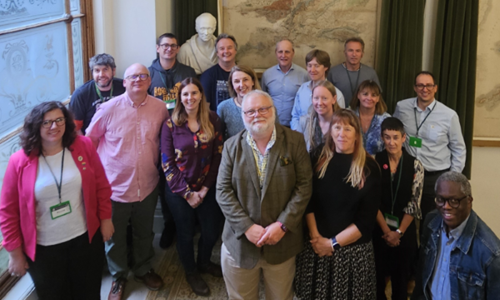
{"x": 262, "y": 111}
{"x": 58, "y": 121}
{"x": 424, "y": 86}
{"x": 134, "y": 77}
{"x": 171, "y": 46}
{"x": 454, "y": 203}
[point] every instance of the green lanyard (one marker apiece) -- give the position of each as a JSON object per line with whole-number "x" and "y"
{"x": 422, "y": 123}
{"x": 58, "y": 184}
{"x": 350, "y": 83}
{"x": 395, "y": 195}
{"x": 99, "y": 92}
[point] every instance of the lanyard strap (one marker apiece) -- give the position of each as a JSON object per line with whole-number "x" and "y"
{"x": 422, "y": 123}
{"x": 58, "y": 184}
{"x": 350, "y": 83}
{"x": 395, "y": 195}
{"x": 99, "y": 92}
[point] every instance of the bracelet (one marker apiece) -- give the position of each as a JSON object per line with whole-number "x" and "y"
{"x": 400, "y": 232}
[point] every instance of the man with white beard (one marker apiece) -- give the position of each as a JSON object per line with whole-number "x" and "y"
{"x": 263, "y": 188}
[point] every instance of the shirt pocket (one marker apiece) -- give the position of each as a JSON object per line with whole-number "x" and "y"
{"x": 436, "y": 132}
{"x": 470, "y": 284}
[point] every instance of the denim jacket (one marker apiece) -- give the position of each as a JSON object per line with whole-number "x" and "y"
{"x": 474, "y": 263}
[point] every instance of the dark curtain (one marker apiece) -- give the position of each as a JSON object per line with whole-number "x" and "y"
{"x": 186, "y": 12}
{"x": 399, "y": 55}
{"x": 455, "y": 62}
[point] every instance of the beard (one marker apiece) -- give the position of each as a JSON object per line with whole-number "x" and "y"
{"x": 260, "y": 128}
{"x": 105, "y": 84}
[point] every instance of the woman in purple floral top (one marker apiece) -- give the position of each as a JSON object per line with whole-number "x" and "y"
{"x": 191, "y": 147}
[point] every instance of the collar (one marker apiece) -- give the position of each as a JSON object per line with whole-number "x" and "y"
{"x": 270, "y": 144}
{"x": 467, "y": 233}
{"x": 457, "y": 232}
{"x": 279, "y": 68}
{"x": 433, "y": 105}
{"x": 132, "y": 104}
{"x": 345, "y": 67}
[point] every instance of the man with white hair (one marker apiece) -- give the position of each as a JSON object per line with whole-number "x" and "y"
{"x": 263, "y": 188}
{"x": 199, "y": 51}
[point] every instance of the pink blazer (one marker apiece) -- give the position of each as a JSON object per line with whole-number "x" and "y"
{"x": 17, "y": 202}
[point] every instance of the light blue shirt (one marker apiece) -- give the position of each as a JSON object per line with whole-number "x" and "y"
{"x": 440, "y": 283}
{"x": 303, "y": 100}
{"x": 443, "y": 145}
{"x": 283, "y": 87}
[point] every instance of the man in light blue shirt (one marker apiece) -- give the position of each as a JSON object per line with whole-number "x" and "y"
{"x": 460, "y": 254}
{"x": 283, "y": 80}
{"x": 434, "y": 135}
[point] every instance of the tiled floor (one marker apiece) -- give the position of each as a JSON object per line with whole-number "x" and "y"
{"x": 133, "y": 290}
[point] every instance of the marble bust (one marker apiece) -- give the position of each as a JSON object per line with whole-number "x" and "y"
{"x": 199, "y": 51}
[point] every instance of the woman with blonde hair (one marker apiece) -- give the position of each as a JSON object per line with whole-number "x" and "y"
{"x": 338, "y": 261}
{"x": 191, "y": 147}
{"x": 371, "y": 110}
{"x": 242, "y": 80}
{"x": 316, "y": 123}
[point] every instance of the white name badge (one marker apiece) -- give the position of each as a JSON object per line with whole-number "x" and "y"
{"x": 60, "y": 210}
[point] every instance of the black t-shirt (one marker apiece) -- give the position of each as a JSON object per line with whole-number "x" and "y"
{"x": 85, "y": 100}
{"x": 214, "y": 82}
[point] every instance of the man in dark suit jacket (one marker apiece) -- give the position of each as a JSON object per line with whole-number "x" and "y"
{"x": 263, "y": 187}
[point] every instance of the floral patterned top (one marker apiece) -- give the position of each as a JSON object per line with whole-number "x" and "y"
{"x": 372, "y": 140}
{"x": 189, "y": 159}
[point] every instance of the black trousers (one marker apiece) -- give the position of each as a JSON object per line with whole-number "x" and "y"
{"x": 427, "y": 203}
{"x": 70, "y": 270}
{"x": 395, "y": 262}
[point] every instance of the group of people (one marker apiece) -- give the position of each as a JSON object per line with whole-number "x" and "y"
{"x": 317, "y": 200}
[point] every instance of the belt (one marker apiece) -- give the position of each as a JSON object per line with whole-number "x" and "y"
{"x": 431, "y": 173}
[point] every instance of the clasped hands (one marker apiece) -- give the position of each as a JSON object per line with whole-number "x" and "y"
{"x": 196, "y": 198}
{"x": 260, "y": 236}
{"x": 392, "y": 238}
{"x": 322, "y": 246}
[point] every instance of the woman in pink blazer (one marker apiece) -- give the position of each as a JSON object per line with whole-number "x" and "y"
{"x": 55, "y": 208}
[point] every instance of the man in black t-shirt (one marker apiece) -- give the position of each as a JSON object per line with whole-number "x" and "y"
{"x": 87, "y": 98}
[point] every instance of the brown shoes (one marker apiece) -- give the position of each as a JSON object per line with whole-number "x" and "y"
{"x": 151, "y": 280}
{"x": 117, "y": 288}
{"x": 198, "y": 285}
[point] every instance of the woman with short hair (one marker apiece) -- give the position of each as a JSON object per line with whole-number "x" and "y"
{"x": 317, "y": 64}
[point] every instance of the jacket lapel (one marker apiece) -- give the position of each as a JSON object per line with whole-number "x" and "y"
{"x": 274, "y": 154}
{"x": 251, "y": 167}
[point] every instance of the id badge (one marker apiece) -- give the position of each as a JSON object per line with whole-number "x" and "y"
{"x": 60, "y": 210}
{"x": 171, "y": 104}
{"x": 391, "y": 220}
{"x": 415, "y": 142}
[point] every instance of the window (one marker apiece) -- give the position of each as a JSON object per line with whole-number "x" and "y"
{"x": 44, "y": 49}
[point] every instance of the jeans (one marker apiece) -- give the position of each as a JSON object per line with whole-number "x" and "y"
{"x": 208, "y": 215}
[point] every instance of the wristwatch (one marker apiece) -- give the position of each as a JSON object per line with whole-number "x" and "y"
{"x": 335, "y": 244}
{"x": 400, "y": 232}
{"x": 283, "y": 227}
